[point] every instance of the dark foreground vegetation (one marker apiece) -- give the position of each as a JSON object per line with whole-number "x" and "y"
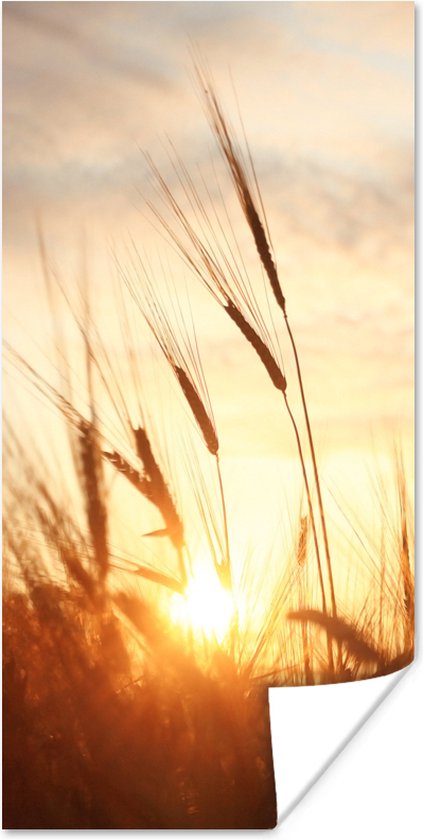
{"x": 86, "y": 746}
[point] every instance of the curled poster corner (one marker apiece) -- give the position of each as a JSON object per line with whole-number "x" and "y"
{"x": 360, "y": 743}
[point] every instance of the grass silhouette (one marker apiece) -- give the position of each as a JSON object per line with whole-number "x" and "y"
{"x": 115, "y": 714}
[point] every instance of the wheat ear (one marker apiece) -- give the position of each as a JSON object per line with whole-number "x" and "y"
{"x": 263, "y": 247}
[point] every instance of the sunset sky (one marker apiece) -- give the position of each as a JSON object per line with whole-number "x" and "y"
{"x": 326, "y": 95}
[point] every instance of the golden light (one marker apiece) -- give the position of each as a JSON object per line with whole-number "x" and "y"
{"x": 206, "y": 607}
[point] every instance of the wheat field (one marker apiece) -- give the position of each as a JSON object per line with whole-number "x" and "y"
{"x": 142, "y": 621}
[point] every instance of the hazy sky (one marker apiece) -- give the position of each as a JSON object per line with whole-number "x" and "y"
{"x": 326, "y": 94}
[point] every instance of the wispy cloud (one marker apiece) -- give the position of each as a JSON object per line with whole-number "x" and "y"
{"x": 326, "y": 93}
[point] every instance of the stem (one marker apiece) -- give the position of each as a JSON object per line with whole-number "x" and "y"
{"x": 310, "y": 505}
{"x": 234, "y": 635}
{"x": 313, "y": 524}
{"x": 315, "y": 469}
{"x": 224, "y": 513}
{"x": 181, "y": 564}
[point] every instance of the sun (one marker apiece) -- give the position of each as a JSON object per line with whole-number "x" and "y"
{"x": 205, "y": 607}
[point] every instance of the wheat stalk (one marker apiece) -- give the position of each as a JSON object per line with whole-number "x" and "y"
{"x": 262, "y": 242}
{"x": 94, "y": 495}
{"x": 157, "y": 491}
{"x": 125, "y": 468}
{"x": 226, "y": 288}
{"x": 182, "y": 354}
{"x": 224, "y": 281}
{"x": 342, "y": 632}
{"x": 262, "y": 350}
{"x": 198, "y": 409}
{"x": 239, "y": 177}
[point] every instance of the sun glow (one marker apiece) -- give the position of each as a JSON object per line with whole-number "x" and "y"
{"x": 206, "y": 607}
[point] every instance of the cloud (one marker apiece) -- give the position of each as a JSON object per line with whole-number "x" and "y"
{"x": 326, "y": 93}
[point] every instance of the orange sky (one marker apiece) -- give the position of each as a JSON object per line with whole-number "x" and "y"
{"x": 326, "y": 94}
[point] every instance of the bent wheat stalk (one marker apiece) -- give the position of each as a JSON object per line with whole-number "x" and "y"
{"x": 208, "y": 430}
{"x": 262, "y": 243}
{"x": 95, "y": 506}
{"x": 225, "y": 284}
{"x": 182, "y": 354}
{"x": 344, "y": 633}
{"x": 157, "y": 491}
